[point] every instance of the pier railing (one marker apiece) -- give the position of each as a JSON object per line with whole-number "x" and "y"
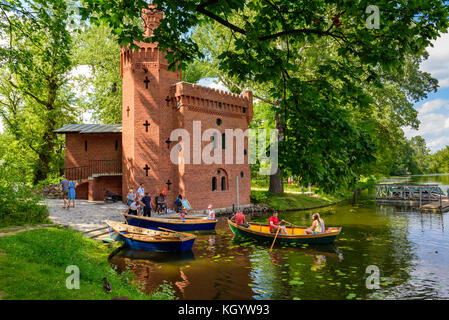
{"x": 95, "y": 167}
{"x": 427, "y": 192}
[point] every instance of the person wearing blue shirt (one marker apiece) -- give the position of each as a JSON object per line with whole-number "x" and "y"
{"x": 146, "y": 200}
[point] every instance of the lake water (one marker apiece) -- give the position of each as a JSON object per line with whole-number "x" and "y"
{"x": 409, "y": 249}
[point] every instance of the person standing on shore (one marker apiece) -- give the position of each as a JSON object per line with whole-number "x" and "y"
{"x": 146, "y": 200}
{"x": 65, "y": 191}
{"x": 72, "y": 186}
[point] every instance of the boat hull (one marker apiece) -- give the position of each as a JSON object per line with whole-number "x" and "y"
{"x": 155, "y": 246}
{"x": 322, "y": 238}
{"x": 176, "y": 225}
{"x": 178, "y": 246}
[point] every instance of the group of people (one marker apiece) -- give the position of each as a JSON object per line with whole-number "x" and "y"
{"x": 276, "y": 227}
{"x": 139, "y": 203}
{"x": 68, "y": 192}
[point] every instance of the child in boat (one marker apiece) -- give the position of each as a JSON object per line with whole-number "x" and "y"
{"x": 317, "y": 225}
{"x": 183, "y": 213}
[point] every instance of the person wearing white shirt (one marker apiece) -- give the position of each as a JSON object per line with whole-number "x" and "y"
{"x": 141, "y": 190}
{"x": 211, "y": 215}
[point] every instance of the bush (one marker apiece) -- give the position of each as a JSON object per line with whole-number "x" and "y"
{"x": 18, "y": 206}
{"x": 258, "y": 197}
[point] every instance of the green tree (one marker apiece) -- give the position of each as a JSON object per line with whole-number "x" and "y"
{"x": 35, "y": 98}
{"x": 97, "y": 48}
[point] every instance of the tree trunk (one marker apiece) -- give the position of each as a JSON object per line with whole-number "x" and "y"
{"x": 276, "y": 182}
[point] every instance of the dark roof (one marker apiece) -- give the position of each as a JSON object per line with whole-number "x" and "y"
{"x": 90, "y": 128}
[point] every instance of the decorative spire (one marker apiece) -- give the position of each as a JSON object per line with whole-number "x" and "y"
{"x": 151, "y": 19}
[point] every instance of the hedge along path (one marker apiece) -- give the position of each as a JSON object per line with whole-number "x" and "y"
{"x": 4, "y": 234}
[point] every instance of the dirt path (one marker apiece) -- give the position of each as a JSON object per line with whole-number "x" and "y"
{"x": 21, "y": 229}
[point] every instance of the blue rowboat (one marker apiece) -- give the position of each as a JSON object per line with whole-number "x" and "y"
{"x": 172, "y": 223}
{"x": 259, "y": 231}
{"x": 151, "y": 240}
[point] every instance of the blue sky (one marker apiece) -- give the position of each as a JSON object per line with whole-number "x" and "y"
{"x": 433, "y": 112}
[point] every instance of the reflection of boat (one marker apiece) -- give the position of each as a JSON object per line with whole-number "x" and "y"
{"x": 173, "y": 223}
{"x": 260, "y": 231}
{"x": 152, "y": 240}
{"x": 152, "y": 256}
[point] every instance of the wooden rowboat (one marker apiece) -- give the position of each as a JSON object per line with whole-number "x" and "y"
{"x": 173, "y": 223}
{"x": 262, "y": 232}
{"x": 151, "y": 240}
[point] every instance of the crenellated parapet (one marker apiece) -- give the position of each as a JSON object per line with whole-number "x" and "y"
{"x": 203, "y": 99}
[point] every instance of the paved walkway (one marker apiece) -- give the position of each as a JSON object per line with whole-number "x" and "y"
{"x": 86, "y": 215}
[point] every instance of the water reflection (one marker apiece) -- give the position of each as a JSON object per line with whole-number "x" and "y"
{"x": 409, "y": 248}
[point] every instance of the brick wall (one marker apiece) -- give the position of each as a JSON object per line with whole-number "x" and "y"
{"x": 100, "y": 146}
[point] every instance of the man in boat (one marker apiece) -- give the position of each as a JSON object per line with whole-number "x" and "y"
{"x": 275, "y": 224}
{"x": 240, "y": 219}
{"x": 317, "y": 225}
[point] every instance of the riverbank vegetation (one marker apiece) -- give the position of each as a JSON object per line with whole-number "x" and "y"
{"x": 33, "y": 266}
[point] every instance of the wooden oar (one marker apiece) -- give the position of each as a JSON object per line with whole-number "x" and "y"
{"x": 274, "y": 240}
{"x": 290, "y": 223}
{"x": 186, "y": 234}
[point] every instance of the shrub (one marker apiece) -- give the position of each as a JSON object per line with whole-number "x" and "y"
{"x": 18, "y": 206}
{"x": 258, "y": 197}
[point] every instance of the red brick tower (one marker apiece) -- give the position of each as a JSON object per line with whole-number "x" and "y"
{"x": 146, "y": 117}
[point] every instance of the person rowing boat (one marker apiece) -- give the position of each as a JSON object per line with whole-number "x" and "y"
{"x": 275, "y": 224}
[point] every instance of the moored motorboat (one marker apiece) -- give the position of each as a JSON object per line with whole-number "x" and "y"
{"x": 259, "y": 231}
{"x": 173, "y": 223}
{"x": 151, "y": 240}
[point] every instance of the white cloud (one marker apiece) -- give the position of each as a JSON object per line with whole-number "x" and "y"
{"x": 438, "y": 63}
{"x": 213, "y": 83}
{"x": 433, "y": 105}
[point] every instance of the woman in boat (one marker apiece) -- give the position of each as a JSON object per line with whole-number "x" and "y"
{"x": 317, "y": 225}
{"x": 275, "y": 224}
{"x": 211, "y": 215}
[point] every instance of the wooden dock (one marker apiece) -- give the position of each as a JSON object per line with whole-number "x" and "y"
{"x": 436, "y": 206}
{"x": 427, "y": 197}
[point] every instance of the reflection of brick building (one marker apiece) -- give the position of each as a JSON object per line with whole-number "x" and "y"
{"x": 154, "y": 103}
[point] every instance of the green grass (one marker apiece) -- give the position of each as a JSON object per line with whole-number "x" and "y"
{"x": 291, "y": 201}
{"x": 33, "y": 266}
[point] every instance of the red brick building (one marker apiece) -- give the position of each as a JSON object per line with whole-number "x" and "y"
{"x": 154, "y": 103}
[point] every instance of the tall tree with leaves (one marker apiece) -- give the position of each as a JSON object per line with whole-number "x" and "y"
{"x": 322, "y": 140}
{"x": 36, "y": 59}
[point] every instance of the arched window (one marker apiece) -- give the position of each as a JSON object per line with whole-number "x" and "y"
{"x": 223, "y": 183}
{"x": 214, "y": 184}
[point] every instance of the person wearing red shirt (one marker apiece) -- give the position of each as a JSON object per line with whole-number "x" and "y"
{"x": 239, "y": 219}
{"x": 275, "y": 224}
